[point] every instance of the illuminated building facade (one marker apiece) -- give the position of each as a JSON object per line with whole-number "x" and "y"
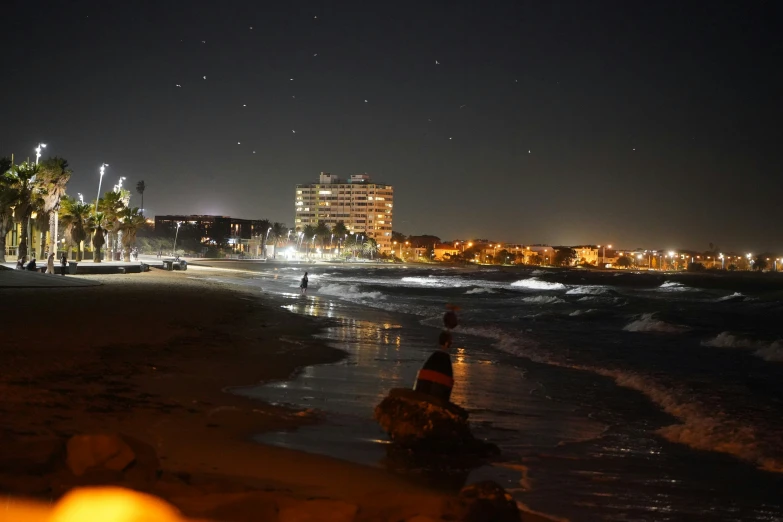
{"x": 363, "y": 206}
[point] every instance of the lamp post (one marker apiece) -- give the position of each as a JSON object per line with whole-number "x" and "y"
{"x": 175, "y": 237}
{"x": 38, "y": 151}
{"x": 102, "y": 171}
{"x": 266, "y": 238}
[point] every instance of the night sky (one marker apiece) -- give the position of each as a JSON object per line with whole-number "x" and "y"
{"x": 642, "y": 124}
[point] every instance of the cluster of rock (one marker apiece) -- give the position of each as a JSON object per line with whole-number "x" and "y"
{"x": 426, "y": 426}
{"x": 78, "y": 470}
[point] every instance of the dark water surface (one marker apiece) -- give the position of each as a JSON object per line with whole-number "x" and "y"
{"x": 614, "y": 396}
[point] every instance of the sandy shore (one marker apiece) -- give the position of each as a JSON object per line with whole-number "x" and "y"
{"x": 148, "y": 355}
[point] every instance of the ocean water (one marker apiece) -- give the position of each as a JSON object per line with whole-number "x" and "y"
{"x": 613, "y": 396}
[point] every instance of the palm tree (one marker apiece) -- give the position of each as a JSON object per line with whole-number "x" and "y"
{"x": 308, "y": 233}
{"x": 97, "y": 226}
{"x": 22, "y": 180}
{"x": 140, "y": 188}
{"x": 75, "y": 216}
{"x": 370, "y": 247}
{"x": 52, "y": 178}
{"x": 131, "y": 221}
{"x": 9, "y": 195}
{"x": 322, "y": 231}
{"x": 112, "y": 205}
{"x": 279, "y": 230}
{"x": 339, "y": 229}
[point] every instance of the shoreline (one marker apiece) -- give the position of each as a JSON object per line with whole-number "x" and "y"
{"x": 154, "y": 356}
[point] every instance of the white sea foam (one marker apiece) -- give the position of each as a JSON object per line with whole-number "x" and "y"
{"x": 480, "y": 290}
{"x": 510, "y": 343}
{"x": 588, "y": 290}
{"x": 577, "y": 313}
{"x": 772, "y": 352}
{"x": 673, "y": 286}
{"x": 349, "y": 292}
{"x": 713, "y": 431}
{"x": 543, "y": 299}
{"x": 648, "y": 323}
{"x": 435, "y": 282}
{"x": 736, "y": 296}
{"x": 536, "y": 284}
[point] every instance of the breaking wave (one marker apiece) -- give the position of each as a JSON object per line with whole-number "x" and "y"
{"x": 480, "y": 290}
{"x": 673, "y": 286}
{"x": 577, "y": 313}
{"x": 772, "y": 352}
{"x": 736, "y": 296}
{"x": 588, "y": 290}
{"x": 436, "y": 282}
{"x": 536, "y": 284}
{"x": 648, "y": 323}
{"x": 715, "y": 431}
{"x": 543, "y": 299}
{"x": 349, "y": 292}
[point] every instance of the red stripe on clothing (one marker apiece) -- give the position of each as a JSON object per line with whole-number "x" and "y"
{"x": 436, "y": 377}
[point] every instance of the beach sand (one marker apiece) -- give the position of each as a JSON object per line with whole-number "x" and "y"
{"x": 149, "y": 355}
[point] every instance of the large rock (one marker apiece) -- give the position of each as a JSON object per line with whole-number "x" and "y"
{"x": 318, "y": 510}
{"x": 423, "y": 423}
{"x": 104, "y": 451}
{"x": 486, "y": 501}
{"x": 145, "y": 468}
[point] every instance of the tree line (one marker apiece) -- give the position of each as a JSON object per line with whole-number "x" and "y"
{"x": 31, "y": 194}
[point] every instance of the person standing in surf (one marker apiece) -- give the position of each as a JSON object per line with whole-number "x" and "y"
{"x": 303, "y": 284}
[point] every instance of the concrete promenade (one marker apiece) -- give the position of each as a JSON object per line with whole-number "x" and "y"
{"x": 25, "y": 279}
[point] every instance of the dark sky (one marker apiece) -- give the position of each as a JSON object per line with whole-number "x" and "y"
{"x": 642, "y": 124}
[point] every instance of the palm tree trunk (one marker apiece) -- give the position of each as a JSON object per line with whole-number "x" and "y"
{"x": 79, "y": 251}
{"x": 2, "y": 245}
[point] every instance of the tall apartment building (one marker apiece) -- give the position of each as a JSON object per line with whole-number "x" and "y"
{"x": 363, "y": 206}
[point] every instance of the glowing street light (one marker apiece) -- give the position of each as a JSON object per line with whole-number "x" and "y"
{"x": 38, "y": 151}
{"x": 118, "y": 186}
{"x": 179, "y": 223}
{"x": 102, "y": 170}
{"x": 81, "y": 198}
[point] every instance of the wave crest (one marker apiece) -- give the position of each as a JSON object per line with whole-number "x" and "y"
{"x": 771, "y": 352}
{"x": 534, "y": 283}
{"x": 480, "y": 290}
{"x": 349, "y": 292}
{"x": 648, "y": 323}
{"x": 543, "y": 299}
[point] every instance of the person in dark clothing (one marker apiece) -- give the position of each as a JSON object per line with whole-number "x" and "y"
{"x": 436, "y": 377}
{"x": 303, "y": 284}
{"x": 63, "y": 263}
{"x": 31, "y": 265}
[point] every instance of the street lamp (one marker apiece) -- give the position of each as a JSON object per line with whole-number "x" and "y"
{"x": 38, "y": 151}
{"x": 118, "y": 186}
{"x": 102, "y": 171}
{"x": 175, "y": 237}
{"x": 81, "y": 198}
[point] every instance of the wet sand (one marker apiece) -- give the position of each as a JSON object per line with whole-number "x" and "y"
{"x": 149, "y": 355}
